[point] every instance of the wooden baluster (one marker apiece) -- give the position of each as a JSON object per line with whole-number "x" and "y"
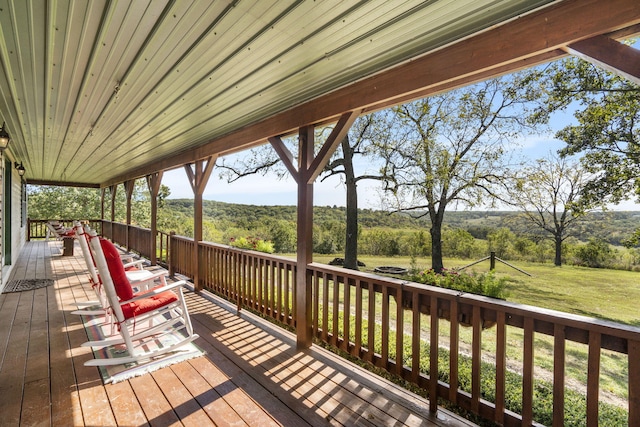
{"x": 279, "y": 285}
{"x": 634, "y": 383}
{"x": 385, "y": 327}
{"x": 593, "y": 378}
{"x": 527, "y": 375}
{"x": 501, "y": 364}
{"x": 399, "y": 332}
{"x": 558, "y": 374}
{"x": 316, "y": 302}
{"x": 287, "y": 292}
{"x": 336, "y": 311}
{"x": 325, "y": 307}
{"x": 260, "y": 285}
{"x": 371, "y": 320}
{"x": 346, "y": 313}
{"x": 454, "y": 344}
{"x": 357, "y": 351}
{"x": 433, "y": 355}
{"x": 415, "y": 337}
{"x": 273, "y": 268}
{"x": 476, "y": 361}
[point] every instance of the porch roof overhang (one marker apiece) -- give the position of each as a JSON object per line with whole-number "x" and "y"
{"x": 102, "y": 92}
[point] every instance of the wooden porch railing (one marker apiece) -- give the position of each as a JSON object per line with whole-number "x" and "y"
{"x": 361, "y": 314}
{"x": 472, "y": 346}
{"x": 37, "y": 228}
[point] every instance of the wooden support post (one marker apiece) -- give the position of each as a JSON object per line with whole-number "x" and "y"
{"x": 113, "y": 189}
{"x": 307, "y": 170}
{"x": 198, "y": 178}
{"x": 128, "y": 188}
{"x": 492, "y": 261}
{"x": 153, "y": 183}
{"x": 102, "y": 197}
{"x": 305, "y": 242}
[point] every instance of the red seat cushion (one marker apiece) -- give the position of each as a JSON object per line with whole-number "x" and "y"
{"x": 141, "y": 306}
{"x": 116, "y": 270}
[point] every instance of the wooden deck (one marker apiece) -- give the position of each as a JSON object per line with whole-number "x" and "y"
{"x": 251, "y": 374}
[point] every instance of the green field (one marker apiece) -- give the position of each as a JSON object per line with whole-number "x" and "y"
{"x": 602, "y": 293}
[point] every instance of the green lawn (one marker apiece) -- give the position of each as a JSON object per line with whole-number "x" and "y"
{"x": 601, "y": 293}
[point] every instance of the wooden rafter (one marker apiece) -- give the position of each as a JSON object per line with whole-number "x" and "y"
{"x": 610, "y": 55}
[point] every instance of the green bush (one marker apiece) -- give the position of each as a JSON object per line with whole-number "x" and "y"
{"x": 596, "y": 253}
{"x": 253, "y": 244}
{"x": 482, "y": 284}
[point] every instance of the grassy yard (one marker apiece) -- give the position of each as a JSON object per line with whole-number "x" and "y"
{"x": 601, "y": 293}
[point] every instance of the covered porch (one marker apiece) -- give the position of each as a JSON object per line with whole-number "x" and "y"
{"x": 251, "y": 374}
{"x": 101, "y": 94}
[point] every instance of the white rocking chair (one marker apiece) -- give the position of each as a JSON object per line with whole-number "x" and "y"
{"x": 164, "y": 306}
{"x": 139, "y": 278}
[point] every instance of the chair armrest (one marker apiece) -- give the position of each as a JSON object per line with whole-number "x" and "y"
{"x": 156, "y": 291}
{"x": 149, "y": 276}
{"x": 137, "y": 264}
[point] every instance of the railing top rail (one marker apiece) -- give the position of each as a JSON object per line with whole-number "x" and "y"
{"x": 264, "y": 255}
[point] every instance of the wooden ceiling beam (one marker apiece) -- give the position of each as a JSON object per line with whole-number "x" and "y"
{"x": 522, "y": 42}
{"x": 610, "y": 55}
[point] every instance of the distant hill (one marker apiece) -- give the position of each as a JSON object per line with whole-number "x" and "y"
{"x": 613, "y": 226}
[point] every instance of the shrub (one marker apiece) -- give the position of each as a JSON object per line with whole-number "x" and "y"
{"x": 253, "y": 244}
{"x": 596, "y": 253}
{"x": 482, "y": 284}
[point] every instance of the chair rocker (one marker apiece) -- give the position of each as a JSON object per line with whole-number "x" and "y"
{"x": 164, "y": 306}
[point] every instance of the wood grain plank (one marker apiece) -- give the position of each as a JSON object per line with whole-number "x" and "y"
{"x": 207, "y": 397}
{"x": 183, "y": 402}
{"x": 13, "y": 368}
{"x": 154, "y": 404}
{"x": 125, "y": 405}
{"x": 65, "y": 400}
{"x": 36, "y": 388}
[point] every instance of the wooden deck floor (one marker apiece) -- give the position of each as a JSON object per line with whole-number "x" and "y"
{"x": 251, "y": 374}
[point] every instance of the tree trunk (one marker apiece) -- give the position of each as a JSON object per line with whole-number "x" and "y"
{"x": 558, "y": 259}
{"x": 436, "y": 244}
{"x": 351, "y": 237}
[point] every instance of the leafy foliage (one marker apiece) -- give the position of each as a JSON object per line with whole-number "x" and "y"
{"x": 482, "y": 284}
{"x": 452, "y": 148}
{"x": 608, "y": 129}
{"x": 253, "y": 244}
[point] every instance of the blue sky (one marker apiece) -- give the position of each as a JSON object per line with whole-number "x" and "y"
{"x": 269, "y": 190}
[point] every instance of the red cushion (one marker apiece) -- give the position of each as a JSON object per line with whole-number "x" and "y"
{"x": 136, "y": 308}
{"x": 116, "y": 270}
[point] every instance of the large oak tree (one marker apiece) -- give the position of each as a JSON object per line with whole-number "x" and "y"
{"x": 455, "y": 149}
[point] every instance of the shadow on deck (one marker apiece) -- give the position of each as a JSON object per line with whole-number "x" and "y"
{"x": 251, "y": 373}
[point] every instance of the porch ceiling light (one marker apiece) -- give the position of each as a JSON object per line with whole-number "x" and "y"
{"x": 20, "y": 168}
{"x": 4, "y": 137}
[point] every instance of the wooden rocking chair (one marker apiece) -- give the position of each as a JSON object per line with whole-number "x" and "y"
{"x": 163, "y": 306}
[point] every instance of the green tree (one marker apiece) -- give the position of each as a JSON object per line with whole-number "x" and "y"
{"x": 548, "y": 193}
{"x": 453, "y": 150}
{"x": 596, "y": 253}
{"x": 607, "y": 132}
{"x": 52, "y": 202}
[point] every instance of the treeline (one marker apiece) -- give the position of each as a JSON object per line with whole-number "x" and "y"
{"x": 468, "y": 235}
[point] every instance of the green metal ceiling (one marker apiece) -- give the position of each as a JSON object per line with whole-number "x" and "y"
{"x": 92, "y": 89}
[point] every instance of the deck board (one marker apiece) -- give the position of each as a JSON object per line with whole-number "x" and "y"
{"x": 251, "y": 374}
